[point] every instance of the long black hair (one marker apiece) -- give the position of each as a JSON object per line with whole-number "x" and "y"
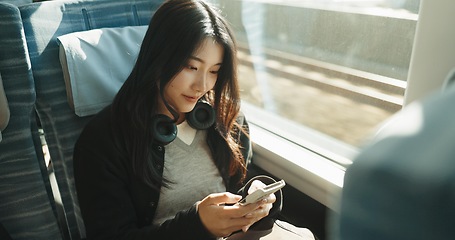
{"x": 175, "y": 33}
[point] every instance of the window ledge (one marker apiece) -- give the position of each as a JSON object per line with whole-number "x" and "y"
{"x": 310, "y": 171}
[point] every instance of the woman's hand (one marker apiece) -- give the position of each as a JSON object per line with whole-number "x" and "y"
{"x": 264, "y": 207}
{"x": 221, "y": 216}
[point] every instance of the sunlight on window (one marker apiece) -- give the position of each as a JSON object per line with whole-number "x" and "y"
{"x": 336, "y": 66}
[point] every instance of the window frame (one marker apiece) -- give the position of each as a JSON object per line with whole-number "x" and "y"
{"x": 306, "y": 164}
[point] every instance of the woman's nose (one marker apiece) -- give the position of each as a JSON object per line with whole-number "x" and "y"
{"x": 200, "y": 84}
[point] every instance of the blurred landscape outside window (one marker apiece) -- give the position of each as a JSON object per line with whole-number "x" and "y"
{"x": 338, "y": 67}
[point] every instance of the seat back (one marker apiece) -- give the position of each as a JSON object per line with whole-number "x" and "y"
{"x": 26, "y": 211}
{"x": 402, "y": 184}
{"x": 43, "y": 23}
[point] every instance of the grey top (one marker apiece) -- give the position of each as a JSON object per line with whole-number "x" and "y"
{"x": 192, "y": 170}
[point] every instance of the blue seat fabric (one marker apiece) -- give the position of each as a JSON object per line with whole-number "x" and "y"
{"x": 43, "y": 22}
{"x": 26, "y": 211}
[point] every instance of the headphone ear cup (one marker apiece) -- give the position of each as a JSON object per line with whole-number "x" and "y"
{"x": 164, "y": 129}
{"x": 202, "y": 116}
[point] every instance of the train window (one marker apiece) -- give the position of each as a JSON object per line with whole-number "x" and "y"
{"x": 337, "y": 67}
{"x": 322, "y": 75}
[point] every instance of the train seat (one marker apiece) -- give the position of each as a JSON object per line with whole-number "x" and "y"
{"x": 26, "y": 205}
{"x": 43, "y": 23}
{"x": 17, "y": 2}
{"x": 402, "y": 185}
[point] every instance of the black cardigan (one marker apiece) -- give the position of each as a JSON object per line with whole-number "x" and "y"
{"x": 116, "y": 204}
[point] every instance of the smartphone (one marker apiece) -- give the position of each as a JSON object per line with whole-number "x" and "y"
{"x": 262, "y": 193}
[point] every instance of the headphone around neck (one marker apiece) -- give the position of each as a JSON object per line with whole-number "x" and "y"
{"x": 201, "y": 117}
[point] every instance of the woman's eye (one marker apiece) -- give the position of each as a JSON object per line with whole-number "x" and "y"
{"x": 214, "y": 72}
{"x": 192, "y": 67}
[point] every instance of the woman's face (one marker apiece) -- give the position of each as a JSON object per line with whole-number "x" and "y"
{"x": 198, "y": 76}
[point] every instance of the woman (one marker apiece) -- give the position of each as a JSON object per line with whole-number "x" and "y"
{"x": 133, "y": 180}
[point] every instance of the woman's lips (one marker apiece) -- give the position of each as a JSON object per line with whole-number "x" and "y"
{"x": 190, "y": 98}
